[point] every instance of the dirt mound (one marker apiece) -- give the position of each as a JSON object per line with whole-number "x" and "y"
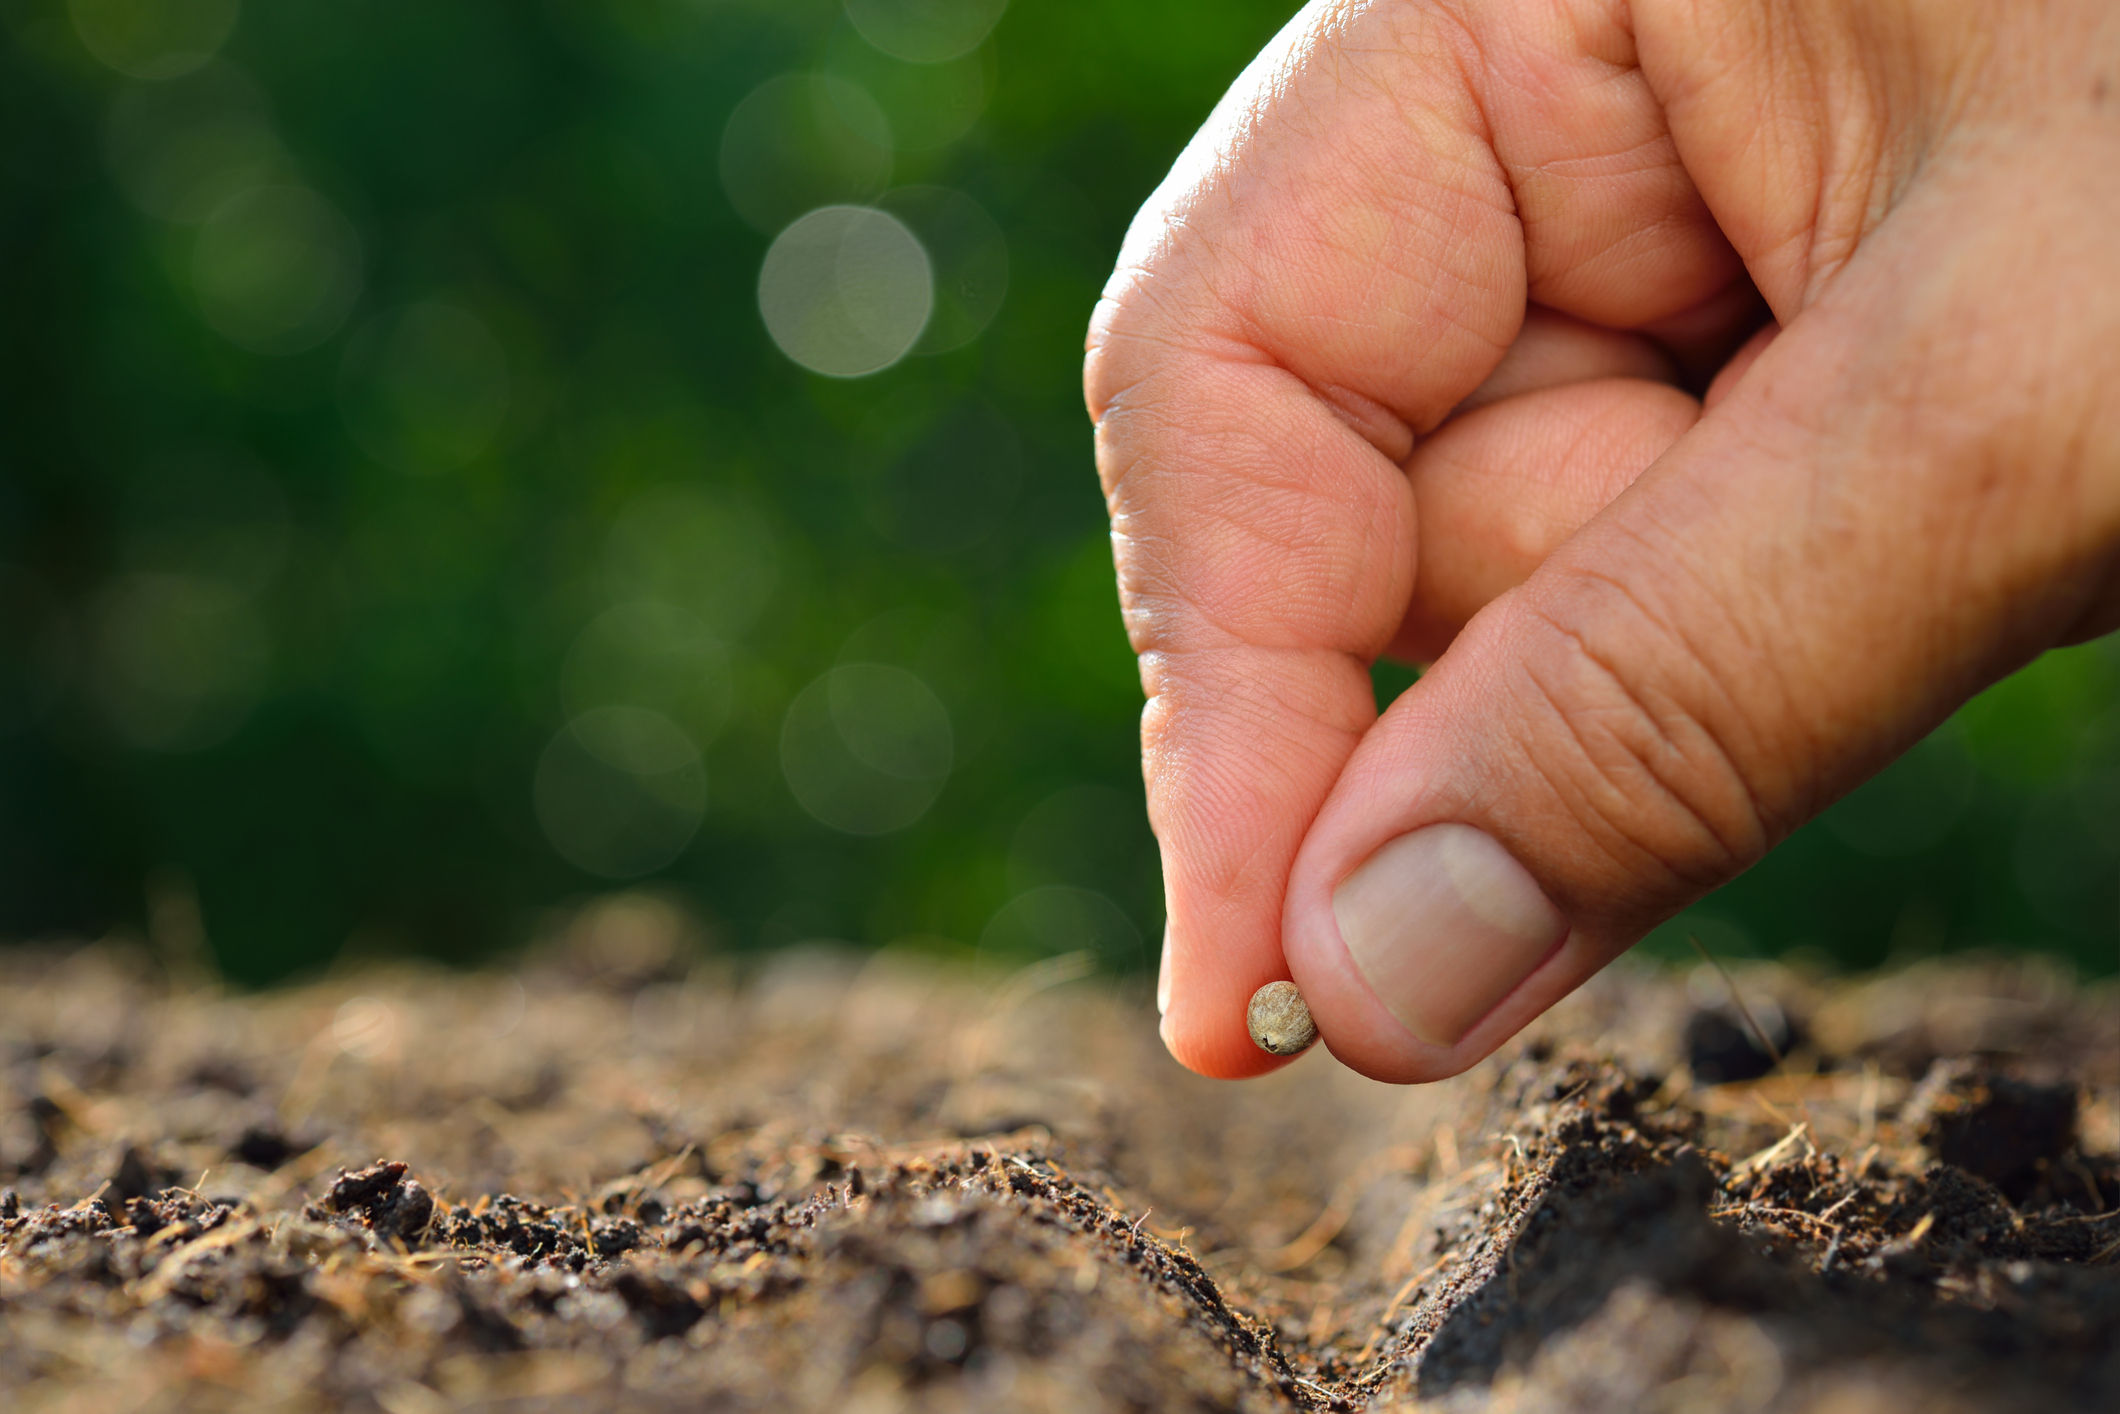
{"x": 877, "y": 1184}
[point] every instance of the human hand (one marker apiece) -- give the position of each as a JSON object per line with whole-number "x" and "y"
{"x": 1394, "y": 361}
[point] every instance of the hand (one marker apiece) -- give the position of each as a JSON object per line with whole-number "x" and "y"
{"x": 1395, "y": 362}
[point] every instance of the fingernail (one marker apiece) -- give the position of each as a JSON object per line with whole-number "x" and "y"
{"x": 1442, "y": 924}
{"x": 1163, "y": 975}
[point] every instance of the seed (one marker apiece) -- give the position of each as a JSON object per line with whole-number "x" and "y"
{"x": 1280, "y": 1022}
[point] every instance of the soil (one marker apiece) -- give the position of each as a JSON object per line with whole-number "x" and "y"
{"x": 623, "y": 1175}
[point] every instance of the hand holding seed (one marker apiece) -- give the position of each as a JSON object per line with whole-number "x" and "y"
{"x": 1714, "y": 395}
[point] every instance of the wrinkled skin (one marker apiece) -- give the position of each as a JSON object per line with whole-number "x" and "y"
{"x": 1403, "y": 358}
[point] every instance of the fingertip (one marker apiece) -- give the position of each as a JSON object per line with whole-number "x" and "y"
{"x": 1367, "y": 1034}
{"x": 1205, "y": 1031}
{"x": 1352, "y": 1022}
{"x": 1364, "y": 1036}
{"x": 1242, "y": 746}
{"x": 1212, "y": 1052}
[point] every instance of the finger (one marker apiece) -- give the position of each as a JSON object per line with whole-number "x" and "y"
{"x": 1497, "y": 491}
{"x": 1231, "y": 479}
{"x": 1868, "y": 528}
{"x": 1553, "y": 348}
{"x": 1336, "y": 263}
{"x": 1614, "y": 225}
{"x": 1250, "y": 417}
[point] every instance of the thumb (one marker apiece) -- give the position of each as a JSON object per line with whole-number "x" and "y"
{"x": 1871, "y": 526}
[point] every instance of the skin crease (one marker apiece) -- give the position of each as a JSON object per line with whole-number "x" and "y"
{"x": 1404, "y": 356}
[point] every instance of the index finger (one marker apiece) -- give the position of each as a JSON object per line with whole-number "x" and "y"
{"x": 1252, "y": 404}
{"x": 1336, "y": 261}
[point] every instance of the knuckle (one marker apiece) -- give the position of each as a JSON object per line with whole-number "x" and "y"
{"x": 1129, "y": 340}
{"x": 1158, "y": 611}
{"x": 1216, "y": 495}
{"x": 1161, "y": 311}
{"x": 1641, "y": 749}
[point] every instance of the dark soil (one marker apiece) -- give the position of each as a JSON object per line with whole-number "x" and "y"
{"x": 616, "y": 1178}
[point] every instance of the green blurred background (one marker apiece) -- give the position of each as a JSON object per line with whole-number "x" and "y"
{"x": 414, "y": 517}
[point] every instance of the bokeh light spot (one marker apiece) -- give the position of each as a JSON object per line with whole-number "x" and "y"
{"x": 653, "y": 655}
{"x": 866, "y": 748}
{"x": 634, "y": 739}
{"x": 1088, "y": 835}
{"x": 846, "y": 291}
{"x": 890, "y": 721}
{"x": 425, "y": 388}
{"x": 800, "y": 141}
{"x": 925, "y": 31}
{"x": 928, "y": 105}
{"x": 969, "y": 258}
{"x": 178, "y": 660}
{"x": 276, "y": 269}
{"x": 620, "y": 792}
{"x": 702, "y": 552}
{"x": 181, "y": 149}
{"x": 153, "y": 39}
{"x": 1062, "y": 918}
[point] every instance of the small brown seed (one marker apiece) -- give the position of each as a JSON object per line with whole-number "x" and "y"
{"x": 1280, "y": 1022}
